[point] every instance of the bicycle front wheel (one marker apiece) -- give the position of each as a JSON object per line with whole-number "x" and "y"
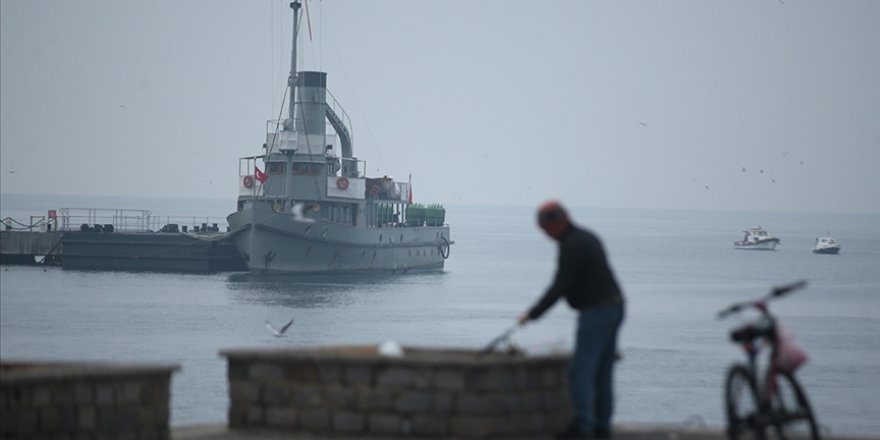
{"x": 792, "y": 414}
{"x": 741, "y": 404}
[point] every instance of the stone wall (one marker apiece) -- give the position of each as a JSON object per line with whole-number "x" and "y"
{"x": 75, "y": 400}
{"x": 354, "y": 391}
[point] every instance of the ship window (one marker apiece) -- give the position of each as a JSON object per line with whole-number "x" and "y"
{"x": 306, "y": 168}
{"x": 275, "y": 167}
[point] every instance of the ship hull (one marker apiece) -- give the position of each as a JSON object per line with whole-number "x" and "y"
{"x": 760, "y": 245}
{"x": 827, "y": 250}
{"x": 275, "y": 242}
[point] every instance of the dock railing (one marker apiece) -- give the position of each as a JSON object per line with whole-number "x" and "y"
{"x": 134, "y": 220}
{"x": 128, "y": 220}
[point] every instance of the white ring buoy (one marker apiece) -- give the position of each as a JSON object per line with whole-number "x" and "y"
{"x": 248, "y": 181}
{"x": 342, "y": 183}
{"x": 444, "y": 247}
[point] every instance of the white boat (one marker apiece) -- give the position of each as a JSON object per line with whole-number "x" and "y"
{"x": 757, "y": 239}
{"x": 826, "y": 245}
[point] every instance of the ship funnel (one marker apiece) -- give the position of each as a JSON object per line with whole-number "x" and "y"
{"x": 311, "y": 105}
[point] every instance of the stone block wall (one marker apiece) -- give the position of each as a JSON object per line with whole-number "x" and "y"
{"x": 88, "y": 401}
{"x": 433, "y": 393}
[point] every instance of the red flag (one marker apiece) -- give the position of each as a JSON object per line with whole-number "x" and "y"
{"x": 409, "y": 191}
{"x": 261, "y": 176}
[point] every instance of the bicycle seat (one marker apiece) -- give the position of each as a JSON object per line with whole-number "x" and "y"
{"x": 750, "y": 332}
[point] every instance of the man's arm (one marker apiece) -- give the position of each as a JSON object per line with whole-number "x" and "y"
{"x": 564, "y": 281}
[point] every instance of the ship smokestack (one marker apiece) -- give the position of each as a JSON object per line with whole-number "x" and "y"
{"x": 311, "y": 91}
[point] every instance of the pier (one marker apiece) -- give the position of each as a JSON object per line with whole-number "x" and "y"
{"x": 24, "y": 247}
{"x": 118, "y": 239}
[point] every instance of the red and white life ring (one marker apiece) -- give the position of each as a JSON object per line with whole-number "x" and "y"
{"x": 342, "y": 183}
{"x": 248, "y": 182}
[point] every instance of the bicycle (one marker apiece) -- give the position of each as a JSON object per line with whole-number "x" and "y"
{"x": 775, "y": 400}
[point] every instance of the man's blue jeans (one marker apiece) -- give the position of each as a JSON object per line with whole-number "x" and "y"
{"x": 592, "y": 365}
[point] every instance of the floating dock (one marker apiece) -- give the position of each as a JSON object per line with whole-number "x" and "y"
{"x": 119, "y": 240}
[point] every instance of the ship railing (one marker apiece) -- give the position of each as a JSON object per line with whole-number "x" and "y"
{"x": 341, "y": 113}
{"x": 248, "y": 185}
{"x": 275, "y": 126}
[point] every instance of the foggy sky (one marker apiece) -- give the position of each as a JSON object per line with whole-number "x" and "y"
{"x": 640, "y": 104}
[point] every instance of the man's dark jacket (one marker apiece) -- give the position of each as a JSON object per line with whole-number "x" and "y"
{"x": 583, "y": 276}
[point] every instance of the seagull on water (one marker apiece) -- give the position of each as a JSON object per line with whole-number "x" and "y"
{"x": 279, "y": 332}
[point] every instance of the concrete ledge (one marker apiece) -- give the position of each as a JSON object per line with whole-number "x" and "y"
{"x": 84, "y": 400}
{"x": 19, "y": 371}
{"x": 364, "y": 354}
{"x": 426, "y": 392}
{"x": 622, "y": 432}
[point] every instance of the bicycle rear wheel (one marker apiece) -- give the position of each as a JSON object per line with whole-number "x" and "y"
{"x": 792, "y": 414}
{"x": 741, "y": 404}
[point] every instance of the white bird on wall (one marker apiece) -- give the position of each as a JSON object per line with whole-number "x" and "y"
{"x": 279, "y": 332}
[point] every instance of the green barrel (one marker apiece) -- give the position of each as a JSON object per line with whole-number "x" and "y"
{"x": 415, "y": 215}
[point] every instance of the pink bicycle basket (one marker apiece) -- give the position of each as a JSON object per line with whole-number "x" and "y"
{"x": 789, "y": 354}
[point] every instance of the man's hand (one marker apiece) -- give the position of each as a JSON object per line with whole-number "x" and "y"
{"x": 523, "y": 319}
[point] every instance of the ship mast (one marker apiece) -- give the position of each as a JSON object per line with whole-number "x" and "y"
{"x": 291, "y": 79}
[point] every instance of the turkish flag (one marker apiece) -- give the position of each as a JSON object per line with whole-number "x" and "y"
{"x": 261, "y": 176}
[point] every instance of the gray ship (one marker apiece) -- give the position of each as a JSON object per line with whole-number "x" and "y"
{"x": 312, "y": 209}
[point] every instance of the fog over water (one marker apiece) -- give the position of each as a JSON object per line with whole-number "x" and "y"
{"x": 759, "y": 105}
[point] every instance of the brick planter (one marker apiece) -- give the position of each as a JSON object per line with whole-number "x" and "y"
{"x": 427, "y": 392}
{"x": 41, "y": 400}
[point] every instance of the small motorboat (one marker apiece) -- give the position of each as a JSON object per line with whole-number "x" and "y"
{"x": 757, "y": 239}
{"x": 826, "y": 245}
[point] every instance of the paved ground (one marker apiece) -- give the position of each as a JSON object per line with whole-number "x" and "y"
{"x": 636, "y": 432}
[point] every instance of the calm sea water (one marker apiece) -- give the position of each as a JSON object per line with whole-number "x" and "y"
{"x": 677, "y": 267}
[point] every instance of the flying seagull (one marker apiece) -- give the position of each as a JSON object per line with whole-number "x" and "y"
{"x": 279, "y": 332}
{"x": 298, "y": 215}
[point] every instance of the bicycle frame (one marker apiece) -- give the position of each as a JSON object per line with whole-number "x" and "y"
{"x": 753, "y": 346}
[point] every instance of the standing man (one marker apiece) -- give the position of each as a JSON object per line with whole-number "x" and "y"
{"x": 584, "y": 278}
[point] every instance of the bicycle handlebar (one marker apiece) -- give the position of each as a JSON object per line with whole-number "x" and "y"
{"x": 774, "y": 293}
{"x": 782, "y": 290}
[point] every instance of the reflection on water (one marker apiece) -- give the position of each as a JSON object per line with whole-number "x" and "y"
{"x": 311, "y": 290}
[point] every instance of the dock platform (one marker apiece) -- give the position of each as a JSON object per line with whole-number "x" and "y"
{"x": 128, "y": 240}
